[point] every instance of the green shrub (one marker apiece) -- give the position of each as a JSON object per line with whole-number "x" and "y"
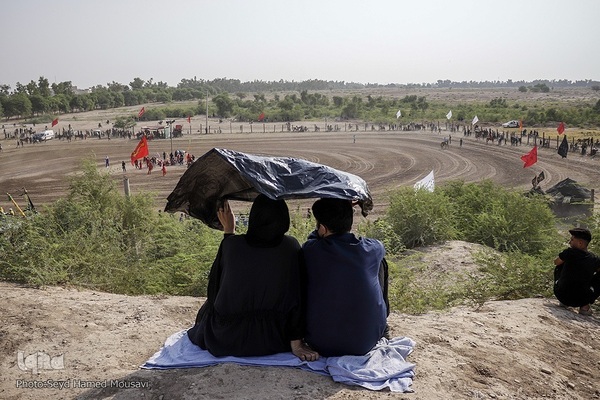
{"x": 100, "y": 239}
{"x": 420, "y": 217}
{"x": 510, "y": 276}
{"x": 501, "y": 218}
{"x": 408, "y": 293}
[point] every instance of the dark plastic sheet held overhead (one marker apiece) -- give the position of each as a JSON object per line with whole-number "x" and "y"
{"x": 227, "y": 174}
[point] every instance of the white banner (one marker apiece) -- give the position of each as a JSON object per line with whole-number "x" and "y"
{"x": 426, "y": 183}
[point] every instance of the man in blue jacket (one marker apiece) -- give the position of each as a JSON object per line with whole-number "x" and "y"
{"x": 346, "y": 287}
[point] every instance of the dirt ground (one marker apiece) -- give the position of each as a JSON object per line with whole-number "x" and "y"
{"x": 385, "y": 159}
{"x": 525, "y": 349}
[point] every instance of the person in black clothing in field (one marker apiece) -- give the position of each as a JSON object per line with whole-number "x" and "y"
{"x": 254, "y": 301}
{"x": 577, "y": 273}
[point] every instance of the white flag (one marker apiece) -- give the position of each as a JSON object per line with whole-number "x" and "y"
{"x": 398, "y": 114}
{"x": 426, "y": 183}
{"x": 449, "y": 115}
{"x": 475, "y": 120}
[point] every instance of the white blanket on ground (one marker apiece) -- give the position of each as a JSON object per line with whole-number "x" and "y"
{"x": 383, "y": 367}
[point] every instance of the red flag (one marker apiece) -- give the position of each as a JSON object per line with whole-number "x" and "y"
{"x": 141, "y": 150}
{"x": 530, "y": 158}
{"x": 561, "y": 128}
{"x": 261, "y": 116}
{"x": 189, "y": 119}
{"x": 55, "y": 122}
{"x": 142, "y": 111}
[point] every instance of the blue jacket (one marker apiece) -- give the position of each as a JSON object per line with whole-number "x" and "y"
{"x": 345, "y": 307}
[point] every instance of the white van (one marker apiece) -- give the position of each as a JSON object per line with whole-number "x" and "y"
{"x": 47, "y": 134}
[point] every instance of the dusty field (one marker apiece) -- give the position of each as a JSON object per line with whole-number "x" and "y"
{"x": 386, "y": 160}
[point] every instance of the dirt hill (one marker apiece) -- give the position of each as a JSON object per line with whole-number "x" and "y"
{"x": 526, "y": 349}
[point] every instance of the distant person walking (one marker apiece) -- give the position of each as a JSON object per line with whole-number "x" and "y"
{"x": 107, "y": 162}
{"x": 123, "y": 166}
{"x": 150, "y": 166}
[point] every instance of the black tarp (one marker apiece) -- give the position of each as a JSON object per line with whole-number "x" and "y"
{"x": 571, "y": 190}
{"x": 570, "y": 200}
{"x": 227, "y": 174}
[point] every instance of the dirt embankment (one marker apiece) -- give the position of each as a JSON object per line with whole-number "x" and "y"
{"x": 526, "y": 349}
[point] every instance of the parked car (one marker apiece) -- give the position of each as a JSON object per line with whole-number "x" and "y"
{"x": 43, "y": 135}
{"x": 511, "y": 124}
{"x": 48, "y": 134}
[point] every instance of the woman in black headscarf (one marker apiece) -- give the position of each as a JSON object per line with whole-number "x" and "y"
{"x": 254, "y": 304}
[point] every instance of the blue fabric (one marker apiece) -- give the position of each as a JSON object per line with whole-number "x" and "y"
{"x": 385, "y": 366}
{"x": 345, "y": 308}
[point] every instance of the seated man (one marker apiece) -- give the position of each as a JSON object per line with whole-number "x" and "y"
{"x": 346, "y": 286}
{"x": 577, "y": 273}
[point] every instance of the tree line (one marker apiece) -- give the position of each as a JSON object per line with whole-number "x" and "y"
{"x": 39, "y": 101}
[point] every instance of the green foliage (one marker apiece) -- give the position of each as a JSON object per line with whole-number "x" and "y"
{"x": 382, "y": 230}
{"x": 420, "y": 217}
{"x": 498, "y": 102}
{"x": 482, "y": 213}
{"x": 224, "y": 104}
{"x": 416, "y": 287}
{"x": 100, "y": 239}
{"x": 593, "y": 224}
{"x": 300, "y": 106}
{"x": 124, "y": 122}
{"x": 17, "y": 105}
{"x": 410, "y": 291}
{"x": 500, "y": 218}
{"x": 510, "y": 276}
{"x": 540, "y": 87}
{"x": 521, "y": 227}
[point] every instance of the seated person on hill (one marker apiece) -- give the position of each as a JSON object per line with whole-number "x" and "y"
{"x": 346, "y": 289}
{"x": 577, "y": 273}
{"x": 254, "y": 304}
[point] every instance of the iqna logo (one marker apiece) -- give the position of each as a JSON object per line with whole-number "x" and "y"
{"x": 39, "y": 361}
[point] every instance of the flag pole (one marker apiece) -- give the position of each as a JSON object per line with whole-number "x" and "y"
{"x": 16, "y": 205}
{"x": 207, "y": 111}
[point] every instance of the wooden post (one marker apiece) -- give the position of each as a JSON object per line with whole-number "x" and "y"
{"x": 126, "y": 186}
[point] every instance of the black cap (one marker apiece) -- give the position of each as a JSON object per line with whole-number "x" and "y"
{"x": 581, "y": 233}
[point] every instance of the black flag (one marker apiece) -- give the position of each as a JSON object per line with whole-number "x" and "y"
{"x": 541, "y": 177}
{"x": 537, "y": 179}
{"x": 563, "y": 149}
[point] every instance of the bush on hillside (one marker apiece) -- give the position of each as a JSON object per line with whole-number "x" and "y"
{"x": 98, "y": 238}
{"x": 500, "y": 218}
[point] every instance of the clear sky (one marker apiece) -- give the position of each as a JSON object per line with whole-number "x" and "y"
{"x": 92, "y": 42}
